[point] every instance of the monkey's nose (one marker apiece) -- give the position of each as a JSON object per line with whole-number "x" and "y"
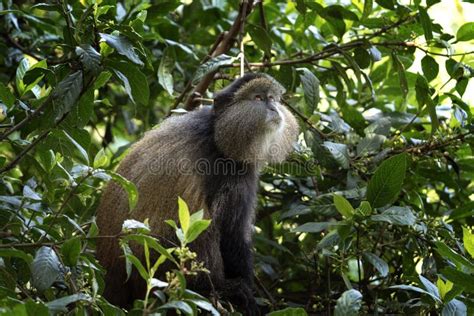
{"x": 272, "y": 107}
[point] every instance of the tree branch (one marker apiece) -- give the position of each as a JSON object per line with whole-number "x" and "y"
{"x": 224, "y": 45}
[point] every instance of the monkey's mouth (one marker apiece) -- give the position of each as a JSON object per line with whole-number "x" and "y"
{"x": 273, "y": 116}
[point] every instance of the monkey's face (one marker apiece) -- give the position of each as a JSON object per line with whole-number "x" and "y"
{"x": 251, "y": 123}
{"x": 260, "y": 100}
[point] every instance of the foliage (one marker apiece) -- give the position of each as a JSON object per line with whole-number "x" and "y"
{"x": 372, "y": 213}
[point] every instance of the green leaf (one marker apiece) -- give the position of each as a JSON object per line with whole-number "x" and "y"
{"x": 184, "y": 217}
{"x": 123, "y": 47}
{"x": 89, "y": 57}
{"x": 84, "y": 110}
{"x": 196, "y": 228}
{"x": 178, "y": 305}
{"x": 430, "y": 67}
{"x": 370, "y": 143}
{"x": 196, "y": 216}
{"x": 364, "y": 209}
{"x": 261, "y": 38}
{"x": 311, "y": 89}
{"x": 339, "y": 152}
{"x": 128, "y": 186}
{"x": 312, "y": 227}
{"x": 20, "y": 73}
{"x": 6, "y": 96}
{"x": 433, "y": 115}
{"x": 45, "y": 269}
{"x": 468, "y": 240}
{"x": 212, "y": 65}
{"x": 426, "y": 23}
{"x": 84, "y": 157}
{"x": 138, "y": 265}
{"x": 151, "y": 242}
{"x": 396, "y": 215}
{"x": 443, "y": 287}
{"x": 60, "y": 305}
{"x": 343, "y": 206}
{"x": 134, "y": 81}
{"x": 348, "y": 304}
{"x": 397, "y": 64}
{"x": 380, "y": 265}
{"x": 362, "y": 57}
{"x": 385, "y": 185}
{"x": 289, "y": 311}
{"x": 465, "y": 32}
{"x": 329, "y": 241}
{"x": 8, "y": 253}
{"x": 416, "y": 289}
{"x": 67, "y": 93}
{"x": 368, "y": 5}
{"x": 70, "y": 250}
{"x": 461, "y": 85}
{"x": 422, "y": 90}
{"x": 459, "y": 278}
{"x": 165, "y": 70}
{"x": 454, "y": 308}
{"x": 101, "y": 159}
{"x": 447, "y": 253}
{"x": 430, "y": 287}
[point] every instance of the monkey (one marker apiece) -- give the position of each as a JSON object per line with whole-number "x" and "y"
{"x": 211, "y": 157}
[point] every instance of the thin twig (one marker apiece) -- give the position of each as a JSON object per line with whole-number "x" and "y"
{"x": 22, "y": 154}
{"x": 28, "y": 118}
{"x": 310, "y": 125}
{"x": 63, "y": 206}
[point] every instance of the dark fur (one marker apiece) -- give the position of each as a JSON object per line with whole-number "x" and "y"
{"x": 227, "y": 192}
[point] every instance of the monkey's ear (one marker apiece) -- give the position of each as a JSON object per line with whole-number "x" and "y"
{"x": 222, "y": 99}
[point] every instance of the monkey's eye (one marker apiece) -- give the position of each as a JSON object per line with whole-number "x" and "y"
{"x": 271, "y": 98}
{"x": 258, "y": 98}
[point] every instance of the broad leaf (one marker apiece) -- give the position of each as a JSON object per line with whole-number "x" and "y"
{"x": 67, "y": 93}
{"x": 45, "y": 269}
{"x": 184, "y": 217}
{"x": 261, "y": 38}
{"x": 289, "y": 311}
{"x": 196, "y": 228}
{"x": 123, "y": 47}
{"x": 396, "y": 215}
{"x": 60, "y": 305}
{"x": 343, "y": 206}
{"x": 133, "y": 80}
{"x": 454, "y": 308}
{"x": 70, "y": 250}
{"x": 165, "y": 77}
{"x": 339, "y": 152}
{"x": 386, "y": 183}
{"x": 89, "y": 57}
{"x": 380, "y": 265}
{"x": 430, "y": 67}
{"x": 212, "y": 65}
{"x": 348, "y": 304}
{"x": 465, "y": 32}
{"x": 311, "y": 89}
{"x": 468, "y": 240}
{"x": 312, "y": 227}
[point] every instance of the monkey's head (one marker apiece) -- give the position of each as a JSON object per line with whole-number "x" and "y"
{"x": 251, "y": 123}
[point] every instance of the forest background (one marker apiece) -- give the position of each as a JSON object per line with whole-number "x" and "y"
{"x": 372, "y": 214}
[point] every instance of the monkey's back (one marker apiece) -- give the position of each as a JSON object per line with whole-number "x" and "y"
{"x": 162, "y": 166}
